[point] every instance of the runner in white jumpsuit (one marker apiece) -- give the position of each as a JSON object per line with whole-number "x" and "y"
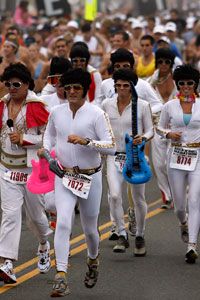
{"x": 82, "y": 131}
{"x": 119, "y": 110}
{"x": 183, "y": 116}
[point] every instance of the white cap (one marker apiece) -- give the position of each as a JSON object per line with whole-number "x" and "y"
{"x": 73, "y": 24}
{"x": 159, "y": 29}
{"x": 164, "y": 39}
{"x": 136, "y": 24}
{"x": 170, "y": 26}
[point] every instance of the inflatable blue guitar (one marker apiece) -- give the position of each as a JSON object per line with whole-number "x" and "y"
{"x": 136, "y": 169}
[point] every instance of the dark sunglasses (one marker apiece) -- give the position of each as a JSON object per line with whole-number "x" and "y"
{"x": 53, "y": 79}
{"x": 164, "y": 61}
{"x": 124, "y": 66}
{"x": 124, "y": 85}
{"x": 76, "y": 87}
{"x": 13, "y": 85}
{"x": 77, "y": 60}
{"x": 189, "y": 83}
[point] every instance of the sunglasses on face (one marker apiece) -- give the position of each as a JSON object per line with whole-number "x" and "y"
{"x": 13, "y": 85}
{"x": 183, "y": 83}
{"x": 77, "y": 60}
{"x": 125, "y": 66}
{"x": 124, "y": 85}
{"x": 53, "y": 79}
{"x": 75, "y": 87}
{"x": 164, "y": 61}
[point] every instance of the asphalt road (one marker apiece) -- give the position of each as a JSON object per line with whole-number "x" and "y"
{"x": 162, "y": 274}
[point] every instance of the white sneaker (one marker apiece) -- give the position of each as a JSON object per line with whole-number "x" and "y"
{"x": 6, "y": 272}
{"x": 44, "y": 259}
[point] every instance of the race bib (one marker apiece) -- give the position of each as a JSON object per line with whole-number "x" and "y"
{"x": 120, "y": 159}
{"x": 78, "y": 184}
{"x": 184, "y": 158}
{"x": 15, "y": 177}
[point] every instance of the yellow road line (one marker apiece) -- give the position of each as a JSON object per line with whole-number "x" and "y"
{"x": 74, "y": 251}
{"x": 72, "y": 242}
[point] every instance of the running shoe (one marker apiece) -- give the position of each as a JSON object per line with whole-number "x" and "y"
{"x": 191, "y": 254}
{"x": 44, "y": 259}
{"x": 91, "y": 275}
{"x": 60, "y": 285}
{"x": 140, "y": 249}
{"x": 121, "y": 245}
{"x": 114, "y": 236}
{"x": 6, "y": 272}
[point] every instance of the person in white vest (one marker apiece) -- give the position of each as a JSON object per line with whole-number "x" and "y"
{"x": 23, "y": 118}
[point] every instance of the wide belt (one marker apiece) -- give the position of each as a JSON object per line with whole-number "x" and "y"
{"x": 189, "y": 145}
{"x": 76, "y": 170}
{"x": 13, "y": 161}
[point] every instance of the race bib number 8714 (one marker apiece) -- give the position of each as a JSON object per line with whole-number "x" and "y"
{"x": 184, "y": 158}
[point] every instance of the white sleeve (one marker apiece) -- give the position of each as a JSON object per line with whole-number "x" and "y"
{"x": 98, "y": 81}
{"x": 164, "y": 122}
{"x": 147, "y": 93}
{"x": 49, "y": 134}
{"x": 148, "y": 128}
{"x": 106, "y": 141}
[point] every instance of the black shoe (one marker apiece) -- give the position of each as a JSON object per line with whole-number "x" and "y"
{"x": 167, "y": 205}
{"x": 91, "y": 275}
{"x": 191, "y": 256}
{"x": 114, "y": 236}
{"x": 140, "y": 249}
{"x": 121, "y": 245}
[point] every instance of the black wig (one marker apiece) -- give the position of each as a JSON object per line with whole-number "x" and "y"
{"x": 78, "y": 75}
{"x": 20, "y": 71}
{"x": 164, "y": 53}
{"x": 186, "y": 72}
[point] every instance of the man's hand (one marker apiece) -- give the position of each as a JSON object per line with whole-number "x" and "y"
{"x": 75, "y": 139}
{"x": 174, "y": 135}
{"x": 137, "y": 140}
{"x": 14, "y": 137}
{"x": 40, "y": 152}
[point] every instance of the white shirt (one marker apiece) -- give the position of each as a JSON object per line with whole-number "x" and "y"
{"x": 52, "y": 100}
{"x": 122, "y": 124}
{"x": 172, "y": 116}
{"x": 89, "y": 122}
{"x": 143, "y": 89}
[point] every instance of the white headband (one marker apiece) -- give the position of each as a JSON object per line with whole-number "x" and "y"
{"x": 11, "y": 43}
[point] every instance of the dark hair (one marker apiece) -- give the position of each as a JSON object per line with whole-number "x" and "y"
{"x": 121, "y": 55}
{"x": 125, "y": 74}
{"x": 164, "y": 53}
{"x": 185, "y": 72}
{"x": 86, "y": 27}
{"x": 77, "y": 76}
{"x": 79, "y": 51}
{"x": 20, "y": 71}
{"x": 80, "y": 43}
{"x": 59, "y": 65}
{"x": 148, "y": 37}
{"x": 123, "y": 33}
